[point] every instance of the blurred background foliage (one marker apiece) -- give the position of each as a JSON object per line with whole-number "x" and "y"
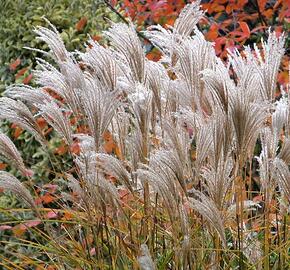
{"x": 75, "y": 19}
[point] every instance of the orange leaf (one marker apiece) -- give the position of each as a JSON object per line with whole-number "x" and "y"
{"x": 2, "y": 166}
{"x": 229, "y": 9}
{"x": 81, "y": 24}
{"x": 118, "y": 152}
{"x": 67, "y": 216}
{"x": 154, "y": 55}
{"x": 61, "y": 150}
{"x": 212, "y": 34}
{"x": 170, "y": 21}
{"x": 96, "y": 37}
{"x": 269, "y": 13}
{"x": 241, "y": 3}
{"x": 107, "y": 136}
{"x": 261, "y": 4}
{"x": 283, "y": 77}
{"x": 245, "y": 28}
{"x": 47, "y": 198}
{"x": 75, "y": 148}
{"x": 19, "y": 230}
{"x": 17, "y": 132}
{"x": 109, "y": 146}
{"x": 41, "y": 122}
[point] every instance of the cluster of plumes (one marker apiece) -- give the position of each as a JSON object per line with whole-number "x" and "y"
{"x": 186, "y": 126}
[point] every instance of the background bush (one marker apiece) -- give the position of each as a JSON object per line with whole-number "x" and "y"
{"x": 74, "y": 20}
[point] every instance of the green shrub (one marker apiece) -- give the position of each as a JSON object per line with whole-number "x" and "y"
{"x": 74, "y": 20}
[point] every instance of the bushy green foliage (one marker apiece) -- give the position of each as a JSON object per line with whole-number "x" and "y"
{"x": 19, "y": 17}
{"x": 76, "y": 20}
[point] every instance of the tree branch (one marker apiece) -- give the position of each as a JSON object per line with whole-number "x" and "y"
{"x": 109, "y": 5}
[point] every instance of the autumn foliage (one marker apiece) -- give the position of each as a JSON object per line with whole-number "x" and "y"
{"x": 228, "y": 23}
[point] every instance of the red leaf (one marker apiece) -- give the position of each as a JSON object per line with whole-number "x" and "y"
{"x": 51, "y": 214}
{"x": 21, "y": 72}
{"x": 245, "y": 28}
{"x": 261, "y": 4}
{"x": 258, "y": 198}
{"x": 15, "y": 64}
{"x": 38, "y": 201}
{"x": 278, "y": 3}
{"x": 17, "y": 132}
{"x": 114, "y": 2}
{"x": 97, "y": 37}
{"x": 212, "y": 33}
{"x": 27, "y": 79}
{"x": 81, "y": 24}
{"x": 75, "y": 148}
{"x": 155, "y": 5}
{"x": 47, "y": 198}
{"x": 123, "y": 192}
{"x": 41, "y": 122}
{"x": 2, "y": 166}
{"x": 219, "y": 42}
{"x": 5, "y": 227}
{"x": 256, "y": 29}
{"x": 19, "y": 229}
{"x": 61, "y": 150}
{"x": 32, "y": 223}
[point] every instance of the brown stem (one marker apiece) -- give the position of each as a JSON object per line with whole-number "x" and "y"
{"x": 267, "y": 230}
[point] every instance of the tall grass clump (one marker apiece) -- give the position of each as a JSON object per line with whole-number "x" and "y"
{"x": 199, "y": 173}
